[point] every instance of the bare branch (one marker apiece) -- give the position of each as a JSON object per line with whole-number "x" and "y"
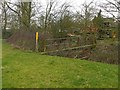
{"x": 12, "y": 9}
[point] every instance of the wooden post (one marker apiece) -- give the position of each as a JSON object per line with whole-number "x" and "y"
{"x": 78, "y": 41}
{"x": 69, "y": 41}
{"x": 44, "y": 45}
{"x": 113, "y": 35}
{"x": 36, "y": 41}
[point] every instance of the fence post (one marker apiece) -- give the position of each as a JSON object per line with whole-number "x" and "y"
{"x": 44, "y": 45}
{"x": 70, "y": 41}
{"x": 78, "y": 41}
{"x": 36, "y": 41}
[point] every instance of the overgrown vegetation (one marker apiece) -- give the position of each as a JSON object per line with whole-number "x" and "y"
{"x": 97, "y": 53}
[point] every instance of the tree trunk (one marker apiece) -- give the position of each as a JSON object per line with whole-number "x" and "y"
{"x": 26, "y": 15}
{"x": 5, "y": 17}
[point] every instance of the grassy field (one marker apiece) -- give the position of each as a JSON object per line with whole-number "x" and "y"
{"x": 23, "y": 69}
{"x": 0, "y": 62}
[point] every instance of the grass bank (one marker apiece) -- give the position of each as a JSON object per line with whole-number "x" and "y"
{"x": 31, "y": 70}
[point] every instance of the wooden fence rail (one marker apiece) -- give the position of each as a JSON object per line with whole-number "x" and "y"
{"x": 73, "y": 48}
{"x": 58, "y": 44}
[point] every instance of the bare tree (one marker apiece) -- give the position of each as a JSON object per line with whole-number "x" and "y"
{"x": 62, "y": 17}
{"x": 24, "y": 13}
{"x": 50, "y": 6}
{"x": 88, "y": 10}
{"x": 4, "y": 11}
{"x": 112, "y": 7}
{"x": 87, "y": 15}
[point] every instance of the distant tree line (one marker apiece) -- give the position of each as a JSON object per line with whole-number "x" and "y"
{"x": 55, "y": 19}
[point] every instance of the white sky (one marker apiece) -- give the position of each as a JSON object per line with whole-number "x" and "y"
{"x": 78, "y": 3}
{"x": 75, "y": 3}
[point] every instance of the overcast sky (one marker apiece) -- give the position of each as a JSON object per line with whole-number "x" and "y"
{"x": 75, "y": 3}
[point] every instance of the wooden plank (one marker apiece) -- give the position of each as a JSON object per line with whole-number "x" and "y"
{"x": 69, "y": 48}
{"x": 61, "y": 38}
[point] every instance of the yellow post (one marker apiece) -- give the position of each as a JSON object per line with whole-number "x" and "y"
{"x": 37, "y": 41}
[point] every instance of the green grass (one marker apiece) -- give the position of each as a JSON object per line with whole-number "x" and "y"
{"x": 23, "y": 69}
{"x": 0, "y": 62}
